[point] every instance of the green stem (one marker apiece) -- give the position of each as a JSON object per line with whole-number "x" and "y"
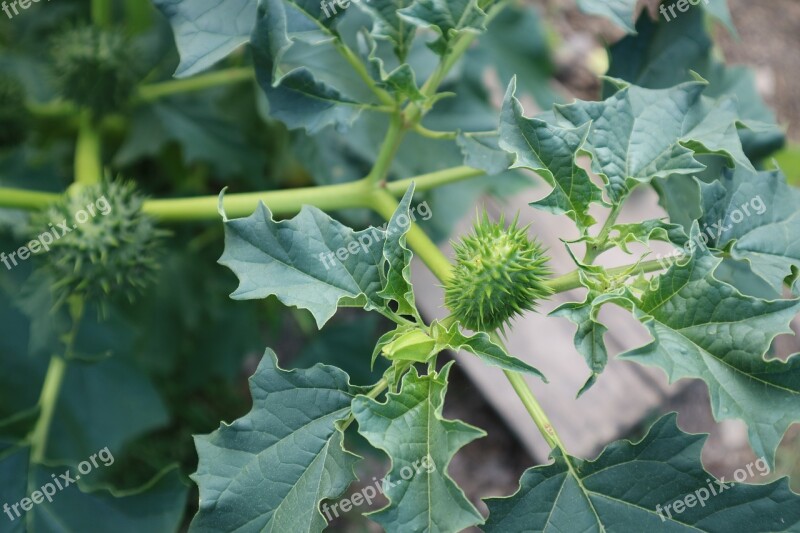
{"x": 391, "y": 143}
{"x": 373, "y": 393}
{"x": 572, "y": 280}
{"x": 102, "y": 14}
{"x": 361, "y": 70}
{"x": 154, "y": 91}
{"x": 51, "y": 389}
{"x": 138, "y": 16}
{"x": 593, "y": 251}
{"x": 284, "y": 202}
{"x": 22, "y": 199}
{"x": 430, "y": 134}
{"x": 433, "y": 180}
{"x": 88, "y": 152}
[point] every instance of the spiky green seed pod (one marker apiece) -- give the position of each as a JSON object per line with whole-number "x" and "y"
{"x": 102, "y": 246}
{"x": 14, "y": 118}
{"x": 499, "y": 273}
{"x": 94, "y": 68}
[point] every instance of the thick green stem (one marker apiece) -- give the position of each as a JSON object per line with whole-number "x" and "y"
{"x": 22, "y": 199}
{"x": 102, "y": 14}
{"x": 88, "y": 152}
{"x": 391, "y": 143}
{"x": 229, "y": 76}
{"x": 284, "y": 202}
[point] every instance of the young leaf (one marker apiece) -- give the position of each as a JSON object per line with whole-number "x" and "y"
{"x": 640, "y": 134}
{"x": 482, "y": 150}
{"x": 704, "y": 328}
{"x": 158, "y": 506}
{"x": 480, "y": 344}
{"x": 409, "y": 427}
{"x": 297, "y": 261}
{"x": 389, "y": 25}
{"x": 550, "y": 150}
{"x": 758, "y": 212}
{"x": 270, "y": 469}
{"x": 398, "y": 258}
{"x": 643, "y": 232}
{"x": 207, "y": 31}
{"x": 449, "y": 18}
{"x": 588, "y": 337}
{"x": 629, "y": 487}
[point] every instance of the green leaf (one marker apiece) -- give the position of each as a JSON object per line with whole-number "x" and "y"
{"x": 158, "y": 506}
{"x": 517, "y": 44}
{"x": 550, "y": 150}
{"x": 664, "y": 53}
{"x": 398, "y": 258}
{"x": 588, "y": 337}
{"x": 703, "y": 328}
{"x": 449, "y": 18}
{"x": 640, "y": 134}
{"x": 307, "y": 82}
{"x": 389, "y": 25}
{"x": 409, "y": 427}
{"x": 629, "y": 485}
{"x": 296, "y": 260}
{"x": 643, "y": 232}
{"x": 620, "y": 12}
{"x": 207, "y": 31}
{"x": 482, "y": 151}
{"x": 758, "y": 212}
{"x": 204, "y": 134}
{"x": 449, "y": 337}
{"x": 270, "y": 469}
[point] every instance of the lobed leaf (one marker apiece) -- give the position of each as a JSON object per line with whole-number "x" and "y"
{"x": 628, "y": 487}
{"x": 270, "y": 469}
{"x": 409, "y": 427}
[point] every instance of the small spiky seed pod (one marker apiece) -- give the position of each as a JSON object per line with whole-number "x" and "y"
{"x": 102, "y": 244}
{"x": 14, "y": 117}
{"x": 94, "y": 68}
{"x": 499, "y": 273}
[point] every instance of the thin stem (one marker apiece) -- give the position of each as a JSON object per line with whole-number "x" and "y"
{"x": 593, "y": 251}
{"x": 572, "y": 280}
{"x": 433, "y": 180}
{"x": 430, "y": 134}
{"x": 373, "y": 393}
{"x": 51, "y": 389}
{"x": 88, "y": 152}
{"x": 361, "y": 70}
{"x": 154, "y": 91}
{"x": 388, "y": 149}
